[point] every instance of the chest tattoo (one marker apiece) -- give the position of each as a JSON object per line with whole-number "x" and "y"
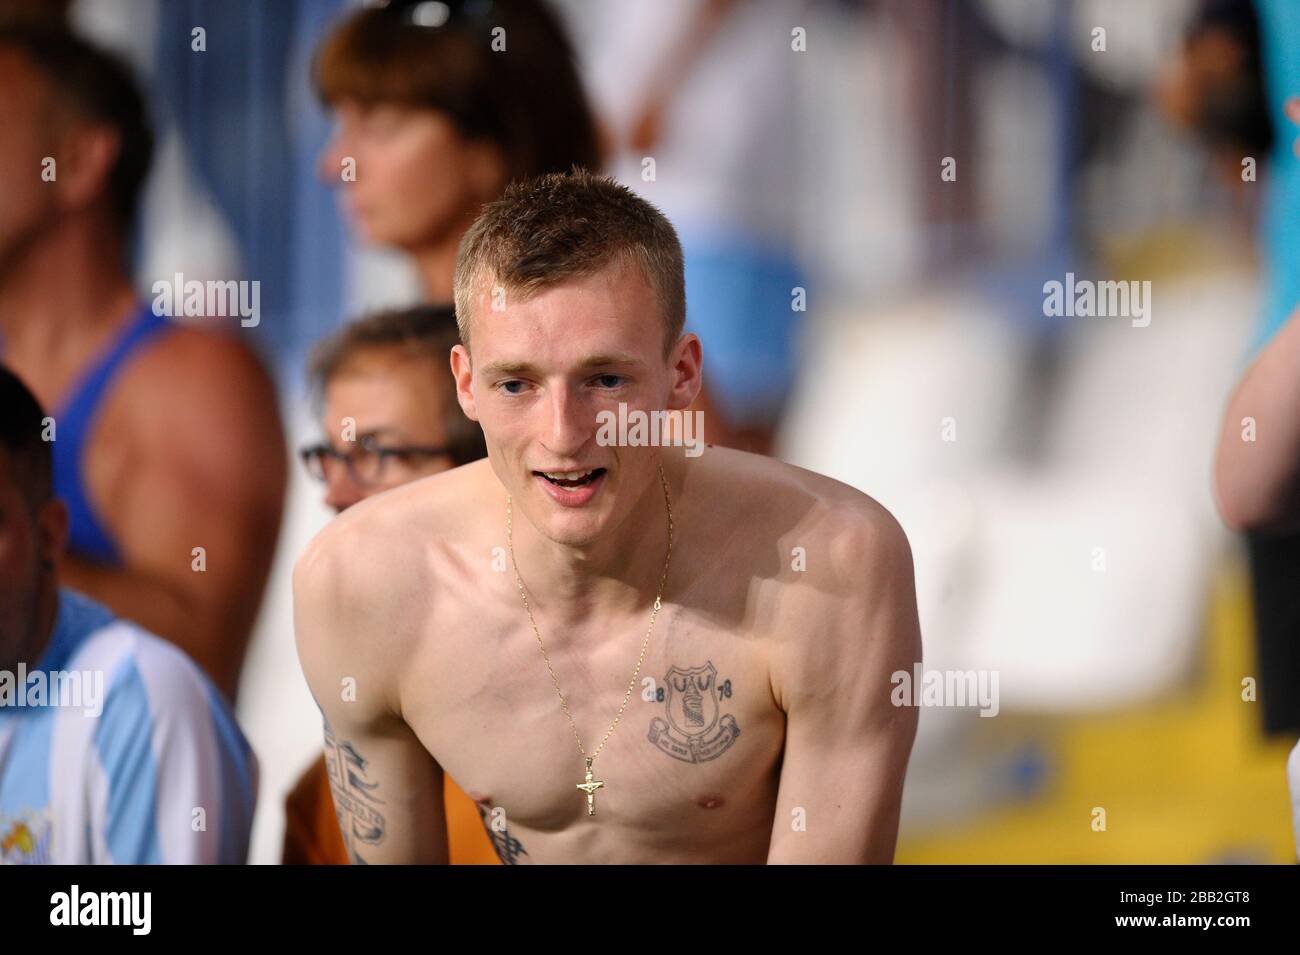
{"x": 694, "y": 727}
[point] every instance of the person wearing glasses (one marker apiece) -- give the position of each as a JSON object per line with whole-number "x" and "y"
{"x": 389, "y": 416}
{"x": 389, "y": 411}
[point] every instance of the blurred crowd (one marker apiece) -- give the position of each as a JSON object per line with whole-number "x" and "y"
{"x": 872, "y": 196}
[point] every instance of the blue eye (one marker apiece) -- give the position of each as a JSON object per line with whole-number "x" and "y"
{"x": 505, "y": 386}
{"x": 610, "y": 381}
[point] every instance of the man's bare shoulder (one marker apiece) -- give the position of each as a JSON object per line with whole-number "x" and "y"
{"x": 835, "y": 524}
{"x": 204, "y": 397}
{"x": 846, "y": 610}
{"x": 376, "y": 578}
{"x": 190, "y": 359}
{"x": 391, "y": 543}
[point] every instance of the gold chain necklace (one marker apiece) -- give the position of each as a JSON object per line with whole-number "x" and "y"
{"x": 590, "y": 785}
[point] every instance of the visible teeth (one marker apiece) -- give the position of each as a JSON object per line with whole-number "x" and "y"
{"x": 568, "y": 475}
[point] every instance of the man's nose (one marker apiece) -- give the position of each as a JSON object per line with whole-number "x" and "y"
{"x": 341, "y": 492}
{"x": 571, "y": 423}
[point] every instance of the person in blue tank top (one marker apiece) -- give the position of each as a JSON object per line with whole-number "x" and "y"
{"x": 168, "y": 449}
{"x": 114, "y": 747}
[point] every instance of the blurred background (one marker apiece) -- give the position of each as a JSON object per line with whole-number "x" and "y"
{"x": 920, "y": 169}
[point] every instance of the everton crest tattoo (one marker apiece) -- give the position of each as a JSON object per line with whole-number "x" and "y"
{"x": 694, "y": 729}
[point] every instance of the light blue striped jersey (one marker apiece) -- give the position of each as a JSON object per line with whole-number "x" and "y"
{"x": 115, "y": 748}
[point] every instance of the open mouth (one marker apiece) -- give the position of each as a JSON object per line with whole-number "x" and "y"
{"x": 571, "y": 479}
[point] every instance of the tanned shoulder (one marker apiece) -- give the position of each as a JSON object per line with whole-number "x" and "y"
{"x": 846, "y": 572}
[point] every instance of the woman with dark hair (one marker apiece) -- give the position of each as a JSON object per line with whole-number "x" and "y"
{"x": 440, "y": 105}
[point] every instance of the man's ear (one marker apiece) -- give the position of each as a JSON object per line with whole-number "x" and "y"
{"x": 51, "y": 532}
{"x": 86, "y": 164}
{"x": 462, "y": 370}
{"x": 687, "y": 363}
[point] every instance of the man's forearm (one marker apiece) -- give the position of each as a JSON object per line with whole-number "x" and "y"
{"x": 1257, "y": 472}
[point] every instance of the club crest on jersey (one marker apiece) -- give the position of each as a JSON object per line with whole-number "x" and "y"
{"x": 694, "y": 730}
{"x": 25, "y": 839}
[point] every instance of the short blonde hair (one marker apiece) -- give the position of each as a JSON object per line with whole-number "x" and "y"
{"x": 545, "y": 231}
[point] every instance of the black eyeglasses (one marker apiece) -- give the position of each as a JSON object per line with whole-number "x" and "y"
{"x": 439, "y": 13}
{"x": 367, "y": 462}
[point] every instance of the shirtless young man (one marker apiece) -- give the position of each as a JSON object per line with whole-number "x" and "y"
{"x": 758, "y": 724}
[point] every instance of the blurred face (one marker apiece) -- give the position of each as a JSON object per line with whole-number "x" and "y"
{"x": 29, "y": 553}
{"x": 399, "y": 403}
{"x": 26, "y": 138}
{"x": 542, "y": 371}
{"x": 417, "y": 179}
{"x": 1211, "y": 61}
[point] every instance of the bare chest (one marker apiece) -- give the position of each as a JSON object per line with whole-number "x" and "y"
{"x": 686, "y": 753}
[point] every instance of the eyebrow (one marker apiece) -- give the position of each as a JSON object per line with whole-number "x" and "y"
{"x": 380, "y": 433}
{"x": 593, "y": 361}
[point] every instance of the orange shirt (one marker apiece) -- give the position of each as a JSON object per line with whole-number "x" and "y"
{"x": 312, "y": 837}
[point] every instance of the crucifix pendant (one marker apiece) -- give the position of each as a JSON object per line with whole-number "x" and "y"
{"x": 590, "y": 787}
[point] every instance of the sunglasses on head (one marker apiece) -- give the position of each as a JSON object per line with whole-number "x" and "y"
{"x": 433, "y": 14}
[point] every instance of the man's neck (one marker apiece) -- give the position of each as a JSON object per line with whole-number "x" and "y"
{"x": 435, "y": 265}
{"x": 30, "y": 652}
{"x": 619, "y": 573}
{"x": 62, "y": 287}
{"x": 435, "y": 260}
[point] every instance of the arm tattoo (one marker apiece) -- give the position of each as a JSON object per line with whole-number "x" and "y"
{"x": 507, "y": 847}
{"x": 693, "y": 727}
{"x": 354, "y": 796}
